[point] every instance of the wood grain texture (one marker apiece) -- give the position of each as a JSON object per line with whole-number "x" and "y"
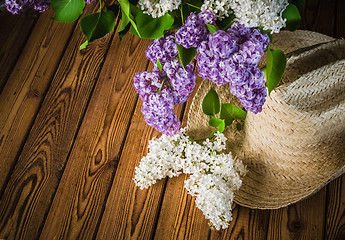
{"x": 335, "y": 210}
{"x": 131, "y": 213}
{"x": 32, "y": 185}
{"x": 319, "y": 16}
{"x": 17, "y": 29}
{"x": 78, "y": 204}
{"x": 303, "y": 220}
{"x": 26, "y": 87}
{"x": 246, "y": 224}
{"x": 340, "y": 19}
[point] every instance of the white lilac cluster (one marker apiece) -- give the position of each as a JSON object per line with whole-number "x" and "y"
{"x": 157, "y": 8}
{"x": 251, "y": 13}
{"x": 214, "y": 175}
{"x": 221, "y": 8}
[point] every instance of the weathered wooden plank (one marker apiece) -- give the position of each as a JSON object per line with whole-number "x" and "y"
{"x": 340, "y": 19}
{"x": 335, "y": 209}
{"x": 303, "y": 220}
{"x": 246, "y": 224}
{"x": 319, "y": 16}
{"x": 32, "y": 185}
{"x": 131, "y": 213}
{"x": 14, "y": 32}
{"x": 179, "y": 217}
{"x": 335, "y": 214}
{"x": 27, "y": 85}
{"x": 79, "y": 202}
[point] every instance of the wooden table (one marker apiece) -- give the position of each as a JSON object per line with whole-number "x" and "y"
{"x": 71, "y": 133}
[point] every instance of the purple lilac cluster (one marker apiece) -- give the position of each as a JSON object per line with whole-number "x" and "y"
{"x": 163, "y": 49}
{"x": 18, "y": 6}
{"x": 194, "y": 29}
{"x": 231, "y": 57}
{"x": 161, "y": 90}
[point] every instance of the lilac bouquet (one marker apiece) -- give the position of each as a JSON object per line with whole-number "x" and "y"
{"x": 224, "y": 41}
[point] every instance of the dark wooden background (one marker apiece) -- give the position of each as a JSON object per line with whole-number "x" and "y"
{"x": 71, "y": 133}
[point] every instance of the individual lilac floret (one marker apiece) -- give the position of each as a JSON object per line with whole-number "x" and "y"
{"x": 207, "y": 16}
{"x": 248, "y": 85}
{"x": 192, "y": 32}
{"x": 159, "y": 112}
{"x": 163, "y": 48}
{"x": 181, "y": 80}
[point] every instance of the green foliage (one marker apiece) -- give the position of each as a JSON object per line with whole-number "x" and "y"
{"x": 275, "y": 67}
{"x": 239, "y": 126}
{"x": 211, "y": 104}
{"x": 298, "y": 3}
{"x": 211, "y": 28}
{"x": 186, "y": 55}
{"x": 159, "y": 65}
{"x": 149, "y": 27}
{"x": 217, "y": 123}
{"x": 226, "y": 22}
{"x": 67, "y": 10}
{"x": 97, "y": 25}
{"x": 229, "y": 112}
{"x": 293, "y": 18}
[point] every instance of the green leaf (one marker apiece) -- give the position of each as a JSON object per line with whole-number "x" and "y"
{"x": 159, "y": 65}
{"x": 186, "y": 55}
{"x": 126, "y": 10}
{"x": 229, "y": 112}
{"x": 97, "y": 25}
{"x": 218, "y": 123}
{"x": 67, "y": 10}
{"x": 238, "y": 126}
{"x": 124, "y": 22}
{"x": 298, "y": 3}
{"x": 114, "y": 8}
{"x": 211, "y": 135}
{"x": 149, "y": 27}
{"x": 211, "y": 104}
{"x": 293, "y": 18}
{"x": 275, "y": 67}
{"x": 211, "y": 28}
{"x": 83, "y": 45}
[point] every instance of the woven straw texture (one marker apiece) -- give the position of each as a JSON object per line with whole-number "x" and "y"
{"x": 296, "y": 144}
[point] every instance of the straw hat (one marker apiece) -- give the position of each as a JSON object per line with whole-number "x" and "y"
{"x": 296, "y": 145}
